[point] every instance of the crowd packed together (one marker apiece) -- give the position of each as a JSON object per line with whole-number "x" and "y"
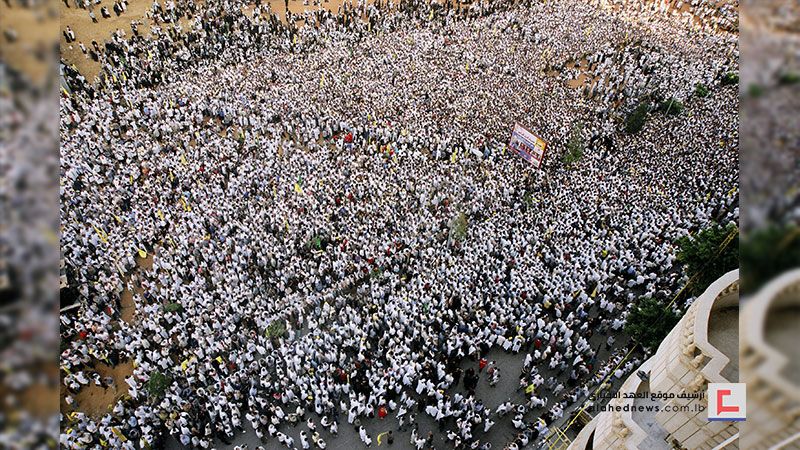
{"x": 339, "y": 234}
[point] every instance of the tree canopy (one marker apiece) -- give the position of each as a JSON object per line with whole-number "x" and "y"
{"x": 649, "y": 322}
{"x": 768, "y": 252}
{"x": 708, "y": 255}
{"x": 637, "y": 118}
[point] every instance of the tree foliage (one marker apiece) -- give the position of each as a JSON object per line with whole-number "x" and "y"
{"x": 768, "y": 252}
{"x": 788, "y": 78}
{"x": 575, "y": 145}
{"x": 649, "y": 322}
{"x": 671, "y": 106}
{"x": 458, "y": 227}
{"x": 173, "y": 307}
{"x": 637, "y": 118}
{"x": 708, "y": 255}
{"x": 730, "y": 79}
{"x": 276, "y": 329}
{"x": 157, "y": 385}
{"x": 701, "y": 90}
{"x": 755, "y": 90}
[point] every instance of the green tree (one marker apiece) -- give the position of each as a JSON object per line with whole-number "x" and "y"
{"x": 671, "y": 106}
{"x": 730, "y": 79}
{"x": 276, "y": 329}
{"x": 701, "y": 90}
{"x": 157, "y": 385}
{"x": 787, "y": 78}
{"x": 755, "y": 90}
{"x": 575, "y": 145}
{"x": 649, "y": 322}
{"x": 173, "y": 307}
{"x": 708, "y": 255}
{"x": 768, "y": 252}
{"x": 458, "y": 227}
{"x": 637, "y": 118}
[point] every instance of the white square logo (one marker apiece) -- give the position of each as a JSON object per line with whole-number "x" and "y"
{"x": 727, "y": 401}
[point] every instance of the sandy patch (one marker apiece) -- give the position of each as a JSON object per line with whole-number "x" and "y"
{"x": 95, "y": 400}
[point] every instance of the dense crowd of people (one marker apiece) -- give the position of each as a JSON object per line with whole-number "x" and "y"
{"x": 336, "y": 224}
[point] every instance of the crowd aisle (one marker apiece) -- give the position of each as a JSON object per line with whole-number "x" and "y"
{"x": 342, "y": 241}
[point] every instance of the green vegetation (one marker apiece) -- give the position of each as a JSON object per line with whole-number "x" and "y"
{"x": 767, "y": 253}
{"x": 157, "y": 385}
{"x": 637, "y": 118}
{"x": 755, "y": 90}
{"x": 671, "y": 106}
{"x": 701, "y": 90}
{"x": 787, "y": 78}
{"x": 575, "y": 145}
{"x": 173, "y": 307}
{"x": 649, "y": 322}
{"x": 276, "y": 329}
{"x": 708, "y": 255}
{"x": 527, "y": 199}
{"x": 730, "y": 79}
{"x": 458, "y": 227}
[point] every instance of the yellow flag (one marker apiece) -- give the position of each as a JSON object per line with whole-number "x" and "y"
{"x": 160, "y": 214}
{"x": 183, "y": 159}
{"x": 219, "y": 359}
{"x": 380, "y": 437}
{"x": 454, "y": 156}
{"x": 119, "y": 434}
{"x": 297, "y": 188}
{"x": 103, "y": 235}
{"x": 117, "y": 218}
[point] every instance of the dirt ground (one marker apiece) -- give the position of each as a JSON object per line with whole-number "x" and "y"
{"x": 95, "y": 400}
{"x": 128, "y": 306}
{"x": 86, "y": 31}
{"x": 39, "y": 399}
{"x": 36, "y": 38}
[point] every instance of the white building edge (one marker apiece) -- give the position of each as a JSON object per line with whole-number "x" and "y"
{"x": 702, "y": 348}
